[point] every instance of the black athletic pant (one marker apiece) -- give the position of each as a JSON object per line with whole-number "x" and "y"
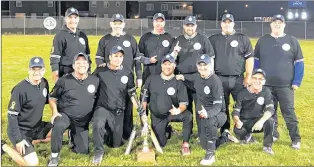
{"x": 208, "y": 132}
{"x": 248, "y": 124}
{"x": 79, "y": 133}
{"x": 107, "y": 126}
{"x": 128, "y": 119}
{"x": 159, "y": 126}
{"x": 285, "y": 97}
{"x": 231, "y": 85}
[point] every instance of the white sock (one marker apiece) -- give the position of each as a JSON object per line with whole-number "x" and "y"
{"x": 54, "y": 155}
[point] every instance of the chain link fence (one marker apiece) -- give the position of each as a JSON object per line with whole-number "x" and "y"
{"x": 137, "y": 27}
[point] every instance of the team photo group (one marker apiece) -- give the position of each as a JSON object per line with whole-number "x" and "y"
{"x": 179, "y": 79}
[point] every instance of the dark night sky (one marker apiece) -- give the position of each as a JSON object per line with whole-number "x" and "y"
{"x": 254, "y": 9}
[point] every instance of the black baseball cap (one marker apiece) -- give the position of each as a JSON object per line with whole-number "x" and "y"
{"x": 117, "y": 17}
{"x": 78, "y": 55}
{"x": 278, "y": 17}
{"x": 227, "y": 17}
{"x": 190, "y": 20}
{"x": 36, "y": 62}
{"x": 169, "y": 58}
{"x": 71, "y": 11}
{"x": 159, "y": 15}
{"x": 204, "y": 58}
{"x": 117, "y": 49}
{"x": 260, "y": 71}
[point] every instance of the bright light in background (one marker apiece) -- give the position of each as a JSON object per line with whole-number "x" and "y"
{"x": 290, "y": 15}
{"x": 136, "y": 16}
{"x": 184, "y": 5}
{"x": 281, "y": 8}
{"x": 246, "y": 5}
{"x": 303, "y": 15}
{"x": 296, "y": 15}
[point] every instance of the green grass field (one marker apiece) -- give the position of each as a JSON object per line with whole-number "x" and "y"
{"x": 17, "y": 50}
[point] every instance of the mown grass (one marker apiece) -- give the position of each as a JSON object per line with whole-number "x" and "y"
{"x": 17, "y": 50}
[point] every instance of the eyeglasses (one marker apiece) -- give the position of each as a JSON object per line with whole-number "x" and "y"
{"x": 258, "y": 79}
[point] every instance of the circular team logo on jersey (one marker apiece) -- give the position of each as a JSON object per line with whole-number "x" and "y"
{"x": 286, "y": 47}
{"x": 260, "y": 100}
{"x": 91, "y": 88}
{"x": 124, "y": 79}
{"x": 234, "y": 43}
{"x": 45, "y": 92}
{"x": 82, "y": 40}
{"x": 171, "y": 91}
{"x": 126, "y": 43}
{"x": 197, "y": 46}
{"x": 206, "y": 90}
{"x": 165, "y": 43}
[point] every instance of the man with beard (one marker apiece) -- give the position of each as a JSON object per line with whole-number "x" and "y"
{"x": 131, "y": 51}
{"x": 25, "y": 111}
{"x": 116, "y": 84}
{"x": 281, "y": 57}
{"x": 253, "y": 110}
{"x": 71, "y": 101}
{"x": 167, "y": 99}
{"x": 155, "y": 45}
{"x": 233, "y": 57}
{"x": 187, "y": 48}
{"x": 68, "y": 42}
{"x": 210, "y": 107}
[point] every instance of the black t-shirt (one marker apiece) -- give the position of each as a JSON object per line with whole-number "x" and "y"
{"x": 251, "y": 105}
{"x": 67, "y": 44}
{"x": 192, "y": 49}
{"x": 28, "y": 102}
{"x": 162, "y": 94}
{"x": 75, "y": 97}
{"x": 231, "y": 51}
{"x": 155, "y": 45}
{"x": 115, "y": 87}
{"x": 277, "y": 57}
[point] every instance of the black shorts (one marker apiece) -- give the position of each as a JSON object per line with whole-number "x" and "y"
{"x": 38, "y": 133}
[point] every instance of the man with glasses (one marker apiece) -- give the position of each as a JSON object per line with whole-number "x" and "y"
{"x": 253, "y": 110}
{"x": 25, "y": 111}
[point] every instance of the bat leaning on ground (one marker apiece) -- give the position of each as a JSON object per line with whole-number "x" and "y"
{"x": 144, "y": 121}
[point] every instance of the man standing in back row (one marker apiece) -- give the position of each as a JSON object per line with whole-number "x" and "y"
{"x": 233, "y": 57}
{"x": 281, "y": 57}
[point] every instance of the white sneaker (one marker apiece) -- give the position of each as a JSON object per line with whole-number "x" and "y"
{"x": 296, "y": 145}
{"x": 208, "y": 159}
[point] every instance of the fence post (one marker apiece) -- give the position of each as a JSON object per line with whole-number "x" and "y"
{"x": 262, "y": 28}
{"x": 141, "y": 27}
{"x": 24, "y": 24}
{"x": 96, "y": 26}
{"x": 241, "y": 26}
{"x": 305, "y": 30}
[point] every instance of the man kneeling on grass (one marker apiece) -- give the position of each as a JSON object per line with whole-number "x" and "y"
{"x": 253, "y": 110}
{"x": 25, "y": 111}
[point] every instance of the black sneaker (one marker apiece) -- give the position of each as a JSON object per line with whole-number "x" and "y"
{"x": 249, "y": 139}
{"x": 70, "y": 142}
{"x": 97, "y": 158}
{"x": 53, "y": 161}
{"x": 208, "y": 159}
{"x": 229, "y": 136}
{"x": 169, "y": 131}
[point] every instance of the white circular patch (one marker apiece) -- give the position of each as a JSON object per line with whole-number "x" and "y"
{"x": 126, "y": 43}
{"x": 165, "y": 43}
{"x": 228, "y": 15}
{"x": 91, "y": 88}
{"x": 124, "y": 79}
{"x": 45, "y": 92}
{"x": 118, "y": 16}
{"x": 197, "y": 46}
{"x": 206, "y": 90}
{"x": 72, "y": 10}
{"x": 286, "y": 47}
{"x": 50, "y": 23}
{"x": 202, "y": 57}
{"x": 260, "y": 100}
{"x": 171, "y": 91}
{"x": 234, "y": 43}
{"x": 159, "y": 14}
{"x": 190, "y": 19}
{"x": 82, "y": 40}
{"x": 36, "y": 60}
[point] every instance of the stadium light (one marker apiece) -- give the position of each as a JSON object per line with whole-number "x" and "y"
{"x": 303, "y": 15}
{"x": 290, "y": 15}
{"x": 296, "y": 15}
